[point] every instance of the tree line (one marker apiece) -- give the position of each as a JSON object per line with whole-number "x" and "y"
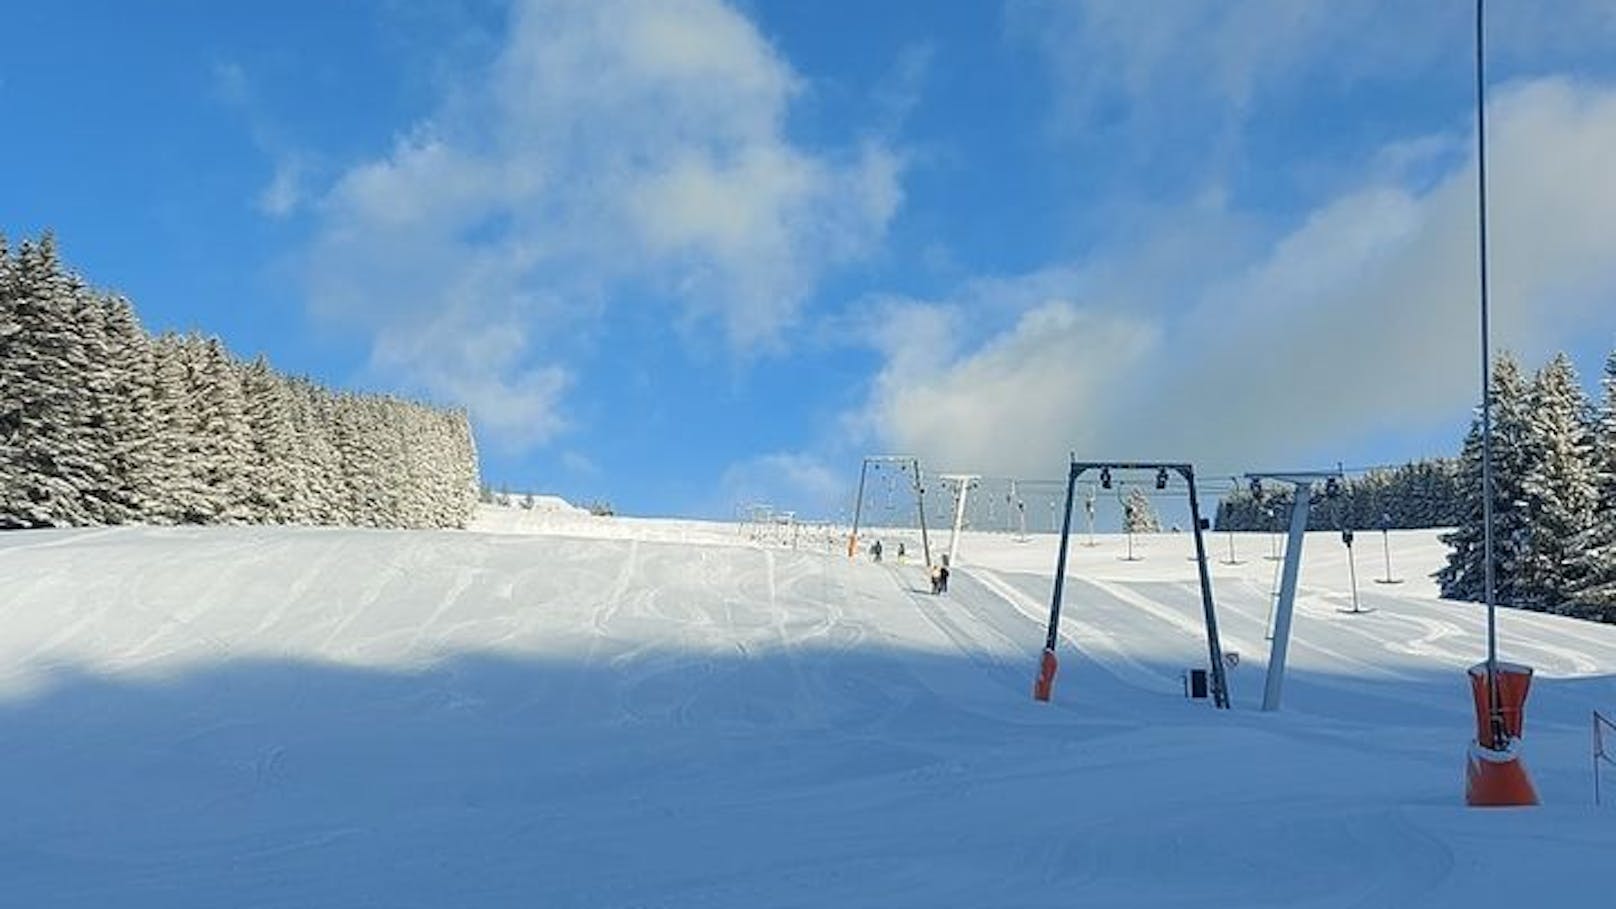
{"x": 103, "y": 423}
{"x": 1419, "y": 494}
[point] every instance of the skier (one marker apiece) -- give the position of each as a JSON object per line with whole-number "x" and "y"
{"x": 942, "y": 577}
{"x": 900, "y": 552}
{"x": 875, "y": 551}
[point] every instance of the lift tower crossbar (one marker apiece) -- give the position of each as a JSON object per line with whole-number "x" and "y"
{"x": 1214, "y": 647}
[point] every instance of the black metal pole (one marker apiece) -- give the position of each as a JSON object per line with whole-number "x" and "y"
{"x": 1220, "y": 689}
{"x": 1495, "y": 706}
{"x": 1060, "y": 561}
{"x": 920, "y": 505}
{"x": 858, "y": 509}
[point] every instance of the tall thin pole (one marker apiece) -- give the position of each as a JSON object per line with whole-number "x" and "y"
{"x": 964, "y": 490}
{"x": 1220, "y": 683}
{"x": 1060, "y": 562}
{"x": 1352, "y": 573}
{"x": 858, "y": 511}
{"x": 1490, "y": 582}
{"x": 920, "y": 508}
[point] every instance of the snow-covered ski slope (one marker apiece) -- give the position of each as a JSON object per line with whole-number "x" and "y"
{"x": 580, "y": 711}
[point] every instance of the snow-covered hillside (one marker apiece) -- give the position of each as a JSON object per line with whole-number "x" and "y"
{"x": 578, "y": 711}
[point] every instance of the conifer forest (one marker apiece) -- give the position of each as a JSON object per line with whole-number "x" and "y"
{"x": 104, "y": 423}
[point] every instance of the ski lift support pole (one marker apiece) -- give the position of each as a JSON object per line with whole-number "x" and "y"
{"x": 964, "y": 482}
{"x": 1220, "y": 688}
{"x": 858, "y": 510}
{"x": 902, "y": 461}
{"x": 1301, "y": 482}
{"x": 920, "y": 507}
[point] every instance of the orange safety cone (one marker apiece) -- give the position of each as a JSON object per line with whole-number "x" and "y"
{"x": 1046, "y": 675}
{"x": 1494, "y": 773}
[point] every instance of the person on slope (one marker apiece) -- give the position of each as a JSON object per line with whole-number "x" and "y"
{"x": 875, "y": 551}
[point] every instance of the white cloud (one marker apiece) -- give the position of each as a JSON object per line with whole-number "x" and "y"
{"x": 1360, "y": 319}
{"x": 788, "y": 481}
{"x": 1114, "y": 58}
{"x": 610, "y": 144}
{"x": 285, "y": 190}
{"x": 1006, "y": 404}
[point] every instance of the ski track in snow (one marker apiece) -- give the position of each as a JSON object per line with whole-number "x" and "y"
{"x": 581, "y": 711}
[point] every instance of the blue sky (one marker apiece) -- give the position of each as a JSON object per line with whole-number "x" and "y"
{"x": 684, "y": 253}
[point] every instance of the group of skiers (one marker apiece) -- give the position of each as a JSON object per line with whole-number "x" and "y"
{"x": 939, "y": 573}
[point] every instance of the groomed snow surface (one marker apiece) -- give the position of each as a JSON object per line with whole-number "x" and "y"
{"x": 580, "y": 711}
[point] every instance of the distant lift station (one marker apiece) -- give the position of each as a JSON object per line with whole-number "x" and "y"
{"x": 1048, "y": 664}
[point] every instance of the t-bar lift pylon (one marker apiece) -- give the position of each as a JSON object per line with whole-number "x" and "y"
{"x": 910, "y": 463}
{"x": 1301, "y": 482}
{"x": 1048, "y": 665}
{"x": 963, "y": 483}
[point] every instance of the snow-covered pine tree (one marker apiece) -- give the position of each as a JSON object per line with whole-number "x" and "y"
{"x": 220, "y": 443}
{"x": 352, "y": 434}
{"x": 1463, "y": 577}
{"x": 107, "y": 499}
{"x": 1559, "y": 483}
{"x": 388, "y": 474}
{"x": 133, "y": 417}
{"x": 46, "y": 412}
{"x": 321, "y": 462}
{"x": 1428, "y": 497}
{"x": 456, "y": 502}
{"x": 278, "y": 492}
{"x": 388, "y": 477}
{"x": 467, "y": 476}
{"x": 1595, "y": 587}
{"x": 427, "y": 453}
{"x": 182, "y": 495}
{"x": 1138, "y": 515}
{"x": 11, "y": 339}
